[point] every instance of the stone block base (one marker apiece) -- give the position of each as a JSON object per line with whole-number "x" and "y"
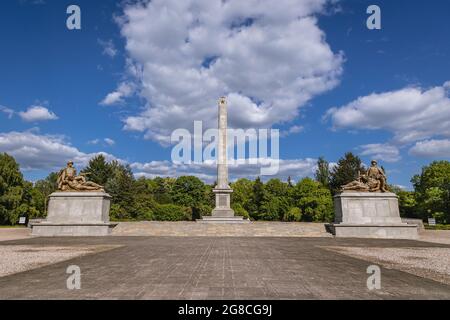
{"x": 223, "y": 213}
{"x": 75, "y": 214}
{"x": 390, "y": 231}
{"x": 370, "y": 215}
{"x": 72, "y": 230}
{"x": 216, "y": 219}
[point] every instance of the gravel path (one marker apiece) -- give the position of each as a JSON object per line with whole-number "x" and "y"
{"x": 431, "y": 263}
{"x": 14, "y": 259}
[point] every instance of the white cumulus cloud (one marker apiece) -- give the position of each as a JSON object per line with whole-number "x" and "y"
{"x": 411, "y": 114}
{"x": 380, "y": 151}
{"x": 37, "y": 113}
{"x": 207, "y": 171}
{"x": 269, "y": 57}
{"x": 431, "y": 149}
{"x": 43, "y": 152}
{"x": 109, "y": 141}
{"x": 124, "y": 90}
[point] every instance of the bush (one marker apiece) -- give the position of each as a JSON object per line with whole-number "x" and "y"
{"x": 240, "y": 211}
{"x": 145, "y": 215}
{"x": 314, "y": 200}
{"x": 117, "y": 212}
{"x": 203, "y": 210}
{"x": 172, "y": 212}
{"x": 294, "y": 214}
{"x": 270, "y": 210}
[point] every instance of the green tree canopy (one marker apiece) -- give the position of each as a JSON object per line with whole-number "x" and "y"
{"x": 345, "y": 171}
{"x": 189, "y": 191}
{"x": 257, "y": 198}
{"x": 15, "y": 192}
{"x": 121, "y": 185}
{"x": 432, "y": 188}
{"x": 242, "y": 193}
{"x": 323, "y": 172}
{"x": 314, "y": 200}
{"x": 42, "y": 190}
{"x": 99, "y": 170}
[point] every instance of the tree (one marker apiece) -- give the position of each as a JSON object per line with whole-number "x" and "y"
{"x": 406, "y": 201}
{"x": 294, "y": 214}
{"x": 346, "y": 171}
{"x": 163, "y": 189}
{"x": 407, "y": 204}
{"x": 240, "y": 211}
{"x": 15, "y": 192}
{"x": 289, "y": 182}
{"x": 189, "y": 191}
{"x": 144, "y": 203}
{"x": 42, "y": 190}
{"x": 273, "y": 208}
{"x": 277, "y": 188}
{"x": 323, "y": 172}
{"x": 276, "y": 201}
{"x": 432, "y": 188}
{"x": 314, "y": 200}
{"x": 242, "y": 194}
{"x": 99, "y": 171}
{"x": 256, "y": 199}
{"x": 172, "y": 212}
{"x": 121, "y": 187}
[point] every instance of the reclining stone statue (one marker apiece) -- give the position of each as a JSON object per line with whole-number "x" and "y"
{"x": 374, "y": 180}
{"x": 68, "y": 180}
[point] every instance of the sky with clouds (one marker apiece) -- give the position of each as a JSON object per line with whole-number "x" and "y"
{"x": 138, "y": 70}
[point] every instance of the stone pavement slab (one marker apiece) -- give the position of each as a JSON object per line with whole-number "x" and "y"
{"x": 219, "y": 268}
{"x": 8, "y": 234}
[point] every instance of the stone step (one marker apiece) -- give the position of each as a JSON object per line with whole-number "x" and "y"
{"x": 195, "y": 229}
{"x": 218, "y": 219}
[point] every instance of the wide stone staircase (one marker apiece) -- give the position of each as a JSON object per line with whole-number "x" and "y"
{"x": 194, "y": 229}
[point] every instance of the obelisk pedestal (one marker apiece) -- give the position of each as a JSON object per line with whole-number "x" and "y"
{"x": 223, "y": 212}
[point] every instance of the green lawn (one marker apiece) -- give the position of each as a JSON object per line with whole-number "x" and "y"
{"x": 11, "y": 227}
{"x": 438, "y": 227}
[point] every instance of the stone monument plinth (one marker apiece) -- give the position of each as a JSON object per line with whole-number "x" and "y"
{"x": 76, "y": 214}
{"x": 223, "y": 212}
{"x": 370, "y": 215}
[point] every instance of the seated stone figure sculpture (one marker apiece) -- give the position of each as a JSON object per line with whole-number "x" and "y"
{"x": 68, "y": 180}
{"x": 373, "y": 181}
{"x": 377, "y": 174}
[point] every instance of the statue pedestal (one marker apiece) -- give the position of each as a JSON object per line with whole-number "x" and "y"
{"x": 223, "y": 212}
{"x": 76, "y": 214}
{"x": 370, "y": 215}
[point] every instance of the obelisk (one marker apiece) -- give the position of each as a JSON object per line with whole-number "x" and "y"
{"x": 223, "y": 212}
{"x": 222, "y": 157}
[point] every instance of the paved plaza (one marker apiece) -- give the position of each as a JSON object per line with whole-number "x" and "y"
{"x": 126, "y": 267}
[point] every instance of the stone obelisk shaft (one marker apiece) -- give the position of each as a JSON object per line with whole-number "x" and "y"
{"x": 222, "y": 165}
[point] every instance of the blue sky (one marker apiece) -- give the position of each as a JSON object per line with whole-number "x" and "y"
{"x": 135, "y": 72}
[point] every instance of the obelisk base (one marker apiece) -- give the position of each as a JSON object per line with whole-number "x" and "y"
{"x": 223, "y": 212}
